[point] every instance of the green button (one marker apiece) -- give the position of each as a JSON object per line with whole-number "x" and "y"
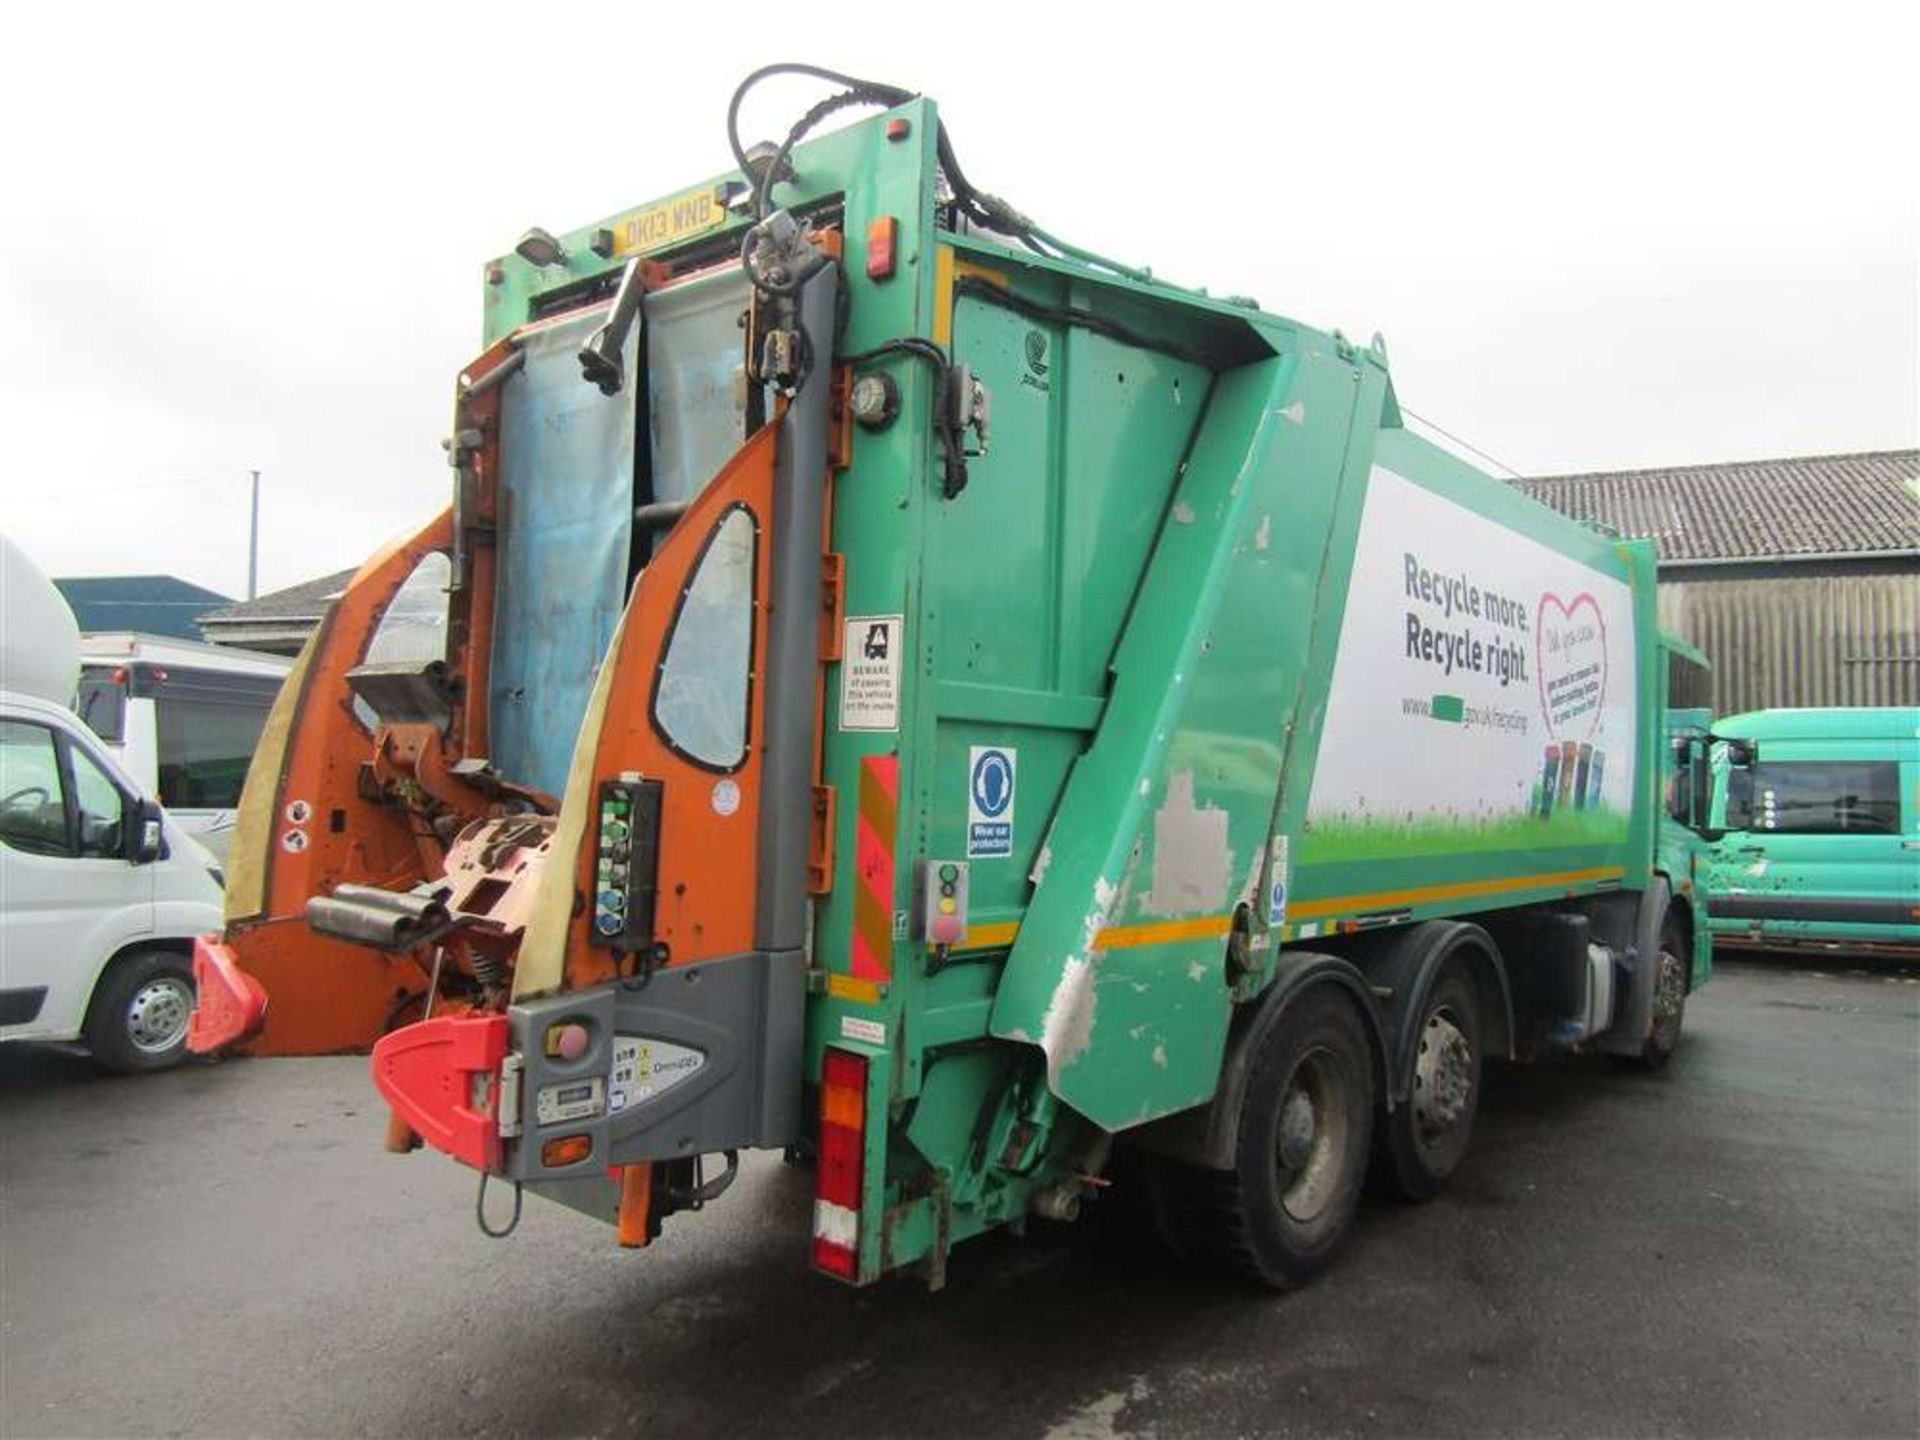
{"x": 949, "y": 873}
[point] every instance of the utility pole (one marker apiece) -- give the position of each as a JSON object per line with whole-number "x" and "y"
{"x": 253, "y": 541}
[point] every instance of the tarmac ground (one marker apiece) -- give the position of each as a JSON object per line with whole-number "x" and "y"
{"x": 1731, "y": 1247}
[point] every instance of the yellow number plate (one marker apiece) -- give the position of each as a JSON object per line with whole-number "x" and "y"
{"x": 669, "y": 222}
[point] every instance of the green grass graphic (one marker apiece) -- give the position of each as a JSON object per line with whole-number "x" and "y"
{"x": 1379, "y": 838}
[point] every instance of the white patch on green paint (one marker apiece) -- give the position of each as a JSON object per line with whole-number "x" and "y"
{"x": 1192, "y": 864}
{"x": 1067, "y": 1026}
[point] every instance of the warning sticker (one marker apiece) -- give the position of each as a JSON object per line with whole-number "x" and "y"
{"x": 870, "y": 673}
{"x": 1277, "y": 882}
{"x": 867, "y": 1032}
{"x": 990, "y": 776}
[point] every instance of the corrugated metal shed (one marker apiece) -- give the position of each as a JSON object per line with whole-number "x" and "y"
{"x": 1802, "y": 640}
{"x": 279, "y": 621}
{"x": 1799, "y": 578}
{"x": 1819, "y": 505}
{"x": 150, "y": 604}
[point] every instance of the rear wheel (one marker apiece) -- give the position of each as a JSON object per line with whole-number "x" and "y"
{"x": 1306, "y": 1117}
{"x": 1422, "y": 1142}
{"x": 138, "y": 1019}
{"x": 1670, "y": 983}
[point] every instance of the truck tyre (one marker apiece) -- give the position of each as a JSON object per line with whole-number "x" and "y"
{"x": 1306, "y": 1118}
{"x": 138, "y": 1018}
{"x": 1418, "y": 1145}
{"x": 1671, "y": 979}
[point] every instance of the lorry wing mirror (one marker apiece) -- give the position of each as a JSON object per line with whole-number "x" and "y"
{"x": 1742, "y": 753}
{"x": 146, "y": 835}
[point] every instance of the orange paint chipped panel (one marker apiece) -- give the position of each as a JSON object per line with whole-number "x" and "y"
{"x": 709, "y": 853}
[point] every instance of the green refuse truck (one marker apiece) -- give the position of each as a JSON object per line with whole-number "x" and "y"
{"x": 1012, "y": 733}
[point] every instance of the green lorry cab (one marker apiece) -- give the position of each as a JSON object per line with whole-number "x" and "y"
{"x": 1822, "y": 829}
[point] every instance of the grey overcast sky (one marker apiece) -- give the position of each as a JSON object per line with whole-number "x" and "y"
{"x": 1594, "y": 237}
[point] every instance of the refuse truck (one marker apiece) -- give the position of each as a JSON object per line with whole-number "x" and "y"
{"x": 899, "y": 689}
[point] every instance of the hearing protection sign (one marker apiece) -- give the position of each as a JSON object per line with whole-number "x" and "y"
{"x": 870, "y": 673}
{"x": 990, "y": 777}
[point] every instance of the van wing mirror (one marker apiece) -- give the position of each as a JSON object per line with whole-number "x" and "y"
{"x": 146, "y": 836}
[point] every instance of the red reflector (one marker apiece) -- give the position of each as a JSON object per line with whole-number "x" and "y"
{"x": 842, "y": 1165}
{"x": 843, "y": 1070}
{"x": 427, "y": 1072}
{"x": 882, "y": 237}
{"x": 835, "y": 1259}
{"x": 229, "y": 1004}
{"x": 899, "y": 129}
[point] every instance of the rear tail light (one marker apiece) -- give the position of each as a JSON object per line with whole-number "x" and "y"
{"x": 843, "y": 1139}
{"x": 883, "y": 243}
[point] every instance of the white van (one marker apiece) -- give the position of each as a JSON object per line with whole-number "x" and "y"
{"x": 101, "y": 894}
{"x": 182, "y": 719}
{"x": 100, "y": 897}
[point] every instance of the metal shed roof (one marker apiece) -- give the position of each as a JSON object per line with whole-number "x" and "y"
{"x": 1865, "y": 504}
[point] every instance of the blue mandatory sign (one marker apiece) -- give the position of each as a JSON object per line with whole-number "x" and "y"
{"x": 991, "y": 771}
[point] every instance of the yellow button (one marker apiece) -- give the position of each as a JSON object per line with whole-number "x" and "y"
{"x": 946, "y": 907}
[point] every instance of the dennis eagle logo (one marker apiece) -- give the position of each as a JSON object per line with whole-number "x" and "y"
{"x": 1036, "y": 345}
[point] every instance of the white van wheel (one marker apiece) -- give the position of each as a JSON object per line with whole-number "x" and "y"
{"x": 139, "y": 1015}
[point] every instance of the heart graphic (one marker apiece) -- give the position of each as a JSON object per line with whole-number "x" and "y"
{"x": 1570, "y": 654}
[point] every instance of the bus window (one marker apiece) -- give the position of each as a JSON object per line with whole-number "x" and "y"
{"x": 101, "y": 701}
{"x": 205, "y": 747}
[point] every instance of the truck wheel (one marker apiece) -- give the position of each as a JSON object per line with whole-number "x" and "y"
{"x": 1669, "y": 999}
{"x": 1306, "y": 1118}
{"x": 138, "y": 1018}
{"x": 1419, "y": 1145}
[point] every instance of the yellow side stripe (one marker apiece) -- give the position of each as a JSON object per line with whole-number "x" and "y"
{"x": 1207, "y": 927}
{"x": 1122, "y": 937}
{"x": 943, "y": 295}
{"x": 845, "y": 987}
{"x": 1459, "y": 890}
{"x": 989, "y": 937}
